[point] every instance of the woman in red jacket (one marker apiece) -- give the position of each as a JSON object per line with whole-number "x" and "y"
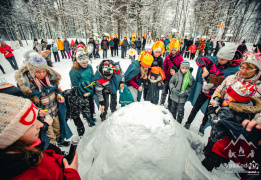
{"x": 7, "y": 51}
{"x": 21, "y": 151}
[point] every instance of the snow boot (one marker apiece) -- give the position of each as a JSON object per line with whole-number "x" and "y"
{"x": 187, "y": 125}
{"x": 201, "y": 130}
{"x": 62, "y": 143}
{"x": 80, "y": 131}
{"x": 103, "y": 117}
{"x": 112, "y": 111}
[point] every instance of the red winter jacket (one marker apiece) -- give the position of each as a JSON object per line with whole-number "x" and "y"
{"x": 193, "y": 48}
{"x": 49, "y": 168}
{"x": 7, "y": 48}
{"x": 168, "y": 64}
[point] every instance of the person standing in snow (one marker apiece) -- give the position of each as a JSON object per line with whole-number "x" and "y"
{"x": 104, "y": 46}
{"x": 60, "y": 45}
{"x": 80, "y": 96}
{"x": 201, "y": 47}
{"x": 217, "y": 48}
{"x": 109, "y": 78}
{"x": 192, "y": 49}
{"x": 111, "y": 43}
{"x": 55, "y": 52}
{"x": 97, "y": 49}
{"x": 143, "y": 42}
{"x": 136, "y": 73}
{"x": 37, "y": 46}
{"x": 189, "y": 43}
{"x": 207, "y": 47}
{"x": 40, "y": 83}
{"x": 180, "y": 86}
{"x": 67, "y": 48}
{"x": 82, "y": 43}
{"x": 47, "y": 47}
{"x": 91, "y": 41}
{"x": 211, "y": 47}
{"x": 154, "y": 84}
{"x": 138, "y": 46}
{"x": 211, "y": 73}
{"x": 124, "y": 47}
{"x": 9, "y": 56}
{"x": 173, "y": 59}
{"x": 166, "y": 42}
{"x": 116, "y": 44}
{"x": 73, "y": 47}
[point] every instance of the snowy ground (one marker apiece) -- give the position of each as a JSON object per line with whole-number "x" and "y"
{"x": 196, "y": 142}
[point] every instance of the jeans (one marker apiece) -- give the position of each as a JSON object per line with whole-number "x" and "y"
{"x": 177, "y": 111}
{"x": 12, "y": 62}
{"x": 63, "y": 54}
{"x": 56, "y": 56}
{"x": 192, "y": 56}
{"x": 116, "y": 51}
{"x": 202, "y": 98}
{"x": 112, "y": 49}
{"x": 104, "y": 53}
{"x": 138, "y": 51}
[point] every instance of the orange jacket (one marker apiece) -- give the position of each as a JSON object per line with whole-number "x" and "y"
{"x": 60, "y": 45}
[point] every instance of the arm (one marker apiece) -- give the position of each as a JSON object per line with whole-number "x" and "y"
{"x": 171, "y": 82}
{"x": 203, "y": 62}
{"x": 98, "y": 89}
{"x": 133, "y": 83}
{"x": 75, "y": 78}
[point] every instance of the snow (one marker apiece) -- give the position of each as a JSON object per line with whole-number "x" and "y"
{"x": 134, "y": 142}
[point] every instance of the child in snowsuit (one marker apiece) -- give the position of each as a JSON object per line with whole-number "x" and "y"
{"x": 180, "y": 86}
{"x": 109, "y": 77}
{"x": 154, "y": 84}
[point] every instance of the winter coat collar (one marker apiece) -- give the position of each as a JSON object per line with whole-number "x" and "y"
{"x": 247, "y": 109}
{"x": 26, "y": 83}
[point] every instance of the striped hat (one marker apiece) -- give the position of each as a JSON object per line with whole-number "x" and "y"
{"x": 86, "y": 87}
{"x": 17, "y": 115}
{"x": 184, "y": 64}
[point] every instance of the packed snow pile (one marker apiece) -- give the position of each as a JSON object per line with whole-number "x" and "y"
{"x": 139, "y": 141}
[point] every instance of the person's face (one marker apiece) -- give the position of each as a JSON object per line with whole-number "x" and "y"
{"x": 157, "y": 53}
{"x": 184, "y": 70}
{"x": 40, "y": 74}
{"x": 32, "y": 133}
{"x": 167, "y": 37}
{"x": 125, "y": 38}
{"x": 172, "y": 72}
{"x": 157, "y": 39}
{"x": 145, "y": 68}
{"x": 222, "y": 61}
{"x": 105, "y": 38}
{"x": 34, "y": 42}
{"x": 84, "y": 64}
{"x": 244, "y": 68}
{"x": 173, "y": 52}
{"x": 152, "y": 77}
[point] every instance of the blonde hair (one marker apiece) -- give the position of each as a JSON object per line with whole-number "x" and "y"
{"x": 143, "y": 72}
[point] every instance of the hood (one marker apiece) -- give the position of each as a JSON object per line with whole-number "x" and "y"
{"x": 156, "y": 80}
{"x": 26, "y": 83}
{"x": 247, "y": 109}
{"x": 101, "y": 65}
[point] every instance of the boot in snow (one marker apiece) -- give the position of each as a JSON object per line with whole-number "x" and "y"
{"x": 187, "y": 125}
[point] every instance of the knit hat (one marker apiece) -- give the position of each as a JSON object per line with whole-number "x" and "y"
{"x": 227, "y": 52}
{"x": 184, "y": 64}
{"x": 81, "y": 56}
{"x": 35, "y": 63}
{"x": 35, "y": 40}
{"x": 253, "y": 60}
{"x": 241, "y": 92}
{"x": 86, "y": 87}
{"x": 145, "y": 59}
{"x": 17, "y": 115}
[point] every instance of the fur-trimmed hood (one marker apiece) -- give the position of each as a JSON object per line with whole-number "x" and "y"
{"x": 26, "y": 82}
{"x": 247, "y": 109}
{"x": 159, "y": 78}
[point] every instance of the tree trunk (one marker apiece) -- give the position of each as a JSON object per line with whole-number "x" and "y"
{"x": 39, "y": 17}
{"x": 16, "y": 32}
{"x": 138, "y": 18}
{"x": 112, "y": 19}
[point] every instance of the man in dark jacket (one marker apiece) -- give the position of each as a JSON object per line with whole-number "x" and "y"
{"x": 91, "y": 41}
{"x": 189, "y": 43}
{"x": 138, "y": 46}
{"x": 125, "y": 44}
{"x": 105, "y": 46}
{"x": 242, "y": 47}
{"x": 116, "y": 45}
{"x": 143, "y": 43}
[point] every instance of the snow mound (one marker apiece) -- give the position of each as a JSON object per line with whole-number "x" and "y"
{"x": 139, "y": 141}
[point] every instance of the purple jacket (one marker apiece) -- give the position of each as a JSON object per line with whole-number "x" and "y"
{"x": 168, "y": 64}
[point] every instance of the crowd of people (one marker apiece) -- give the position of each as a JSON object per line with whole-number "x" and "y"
{"x": 227, "y": 89}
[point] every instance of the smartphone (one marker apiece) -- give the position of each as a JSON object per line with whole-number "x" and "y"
{"x": 48, "y": 47}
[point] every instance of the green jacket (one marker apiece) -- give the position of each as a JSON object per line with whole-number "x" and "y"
{"x": 80, "y": 75}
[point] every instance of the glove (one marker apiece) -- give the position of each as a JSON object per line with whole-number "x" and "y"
{"x": 213, "y": 119}
{"x": 207, "y": 87}
{"x": 183, "y": 94}
{"x": 90, "y": 121}
{"x": 175, "y": 91}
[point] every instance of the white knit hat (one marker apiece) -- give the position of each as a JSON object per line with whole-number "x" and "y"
{"x": 81, "y": 56}
{"x": 227, "y": 52}
{"x": 17, "y": 115}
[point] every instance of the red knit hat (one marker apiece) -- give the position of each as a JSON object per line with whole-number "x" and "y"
{"x": 241, "y": 92}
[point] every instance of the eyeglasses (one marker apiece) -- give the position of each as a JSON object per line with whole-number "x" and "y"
{"x": 247, "y": 70}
